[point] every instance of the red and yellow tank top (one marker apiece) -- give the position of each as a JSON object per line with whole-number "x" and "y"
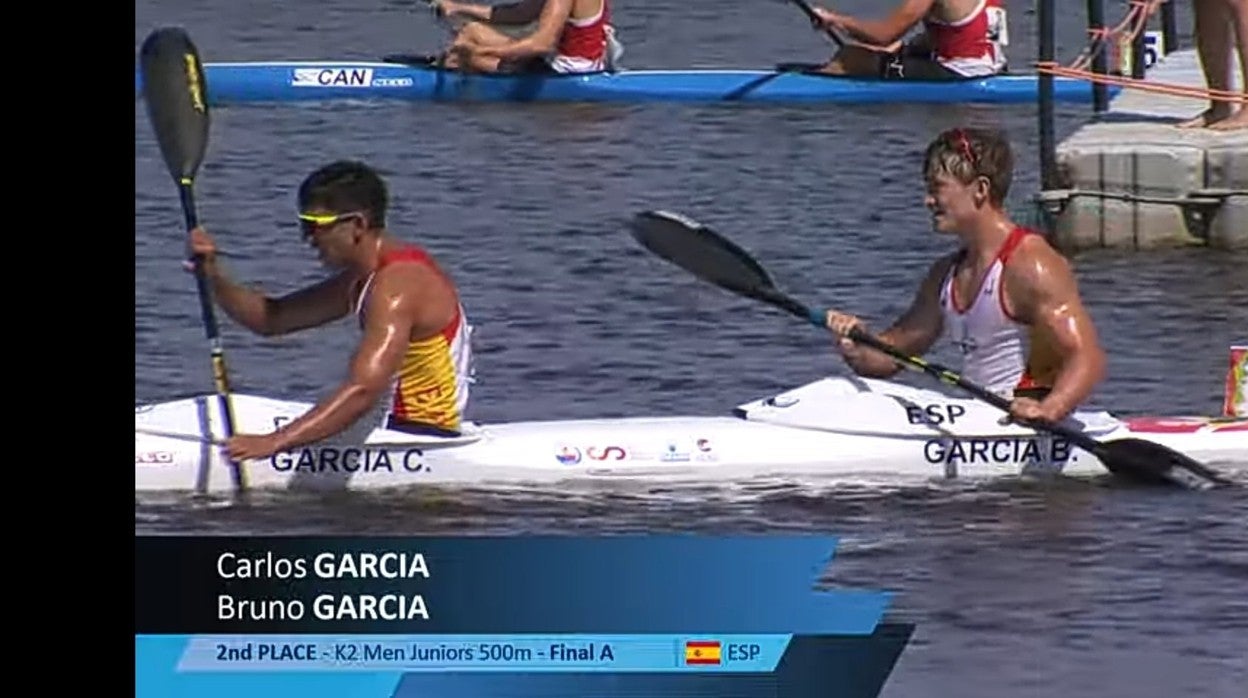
{"x": 430, "y": 391}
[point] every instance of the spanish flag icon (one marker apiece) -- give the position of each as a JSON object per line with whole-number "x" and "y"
{"x": 702, "y": 652}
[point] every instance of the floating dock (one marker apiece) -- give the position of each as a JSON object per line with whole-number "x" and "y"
{"x": 1131, "y": 179}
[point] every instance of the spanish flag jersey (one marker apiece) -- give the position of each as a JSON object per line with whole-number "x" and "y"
{"x": 430, "y": 391}
{"x": 998, "y": 352}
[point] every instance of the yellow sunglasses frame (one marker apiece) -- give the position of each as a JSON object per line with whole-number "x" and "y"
{"x": 324, "y": 219}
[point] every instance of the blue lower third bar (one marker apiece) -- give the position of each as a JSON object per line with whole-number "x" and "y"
{"x": 406, "y": 653}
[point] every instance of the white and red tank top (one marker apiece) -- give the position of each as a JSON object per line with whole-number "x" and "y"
{"x": 974, "y": 45}
{"x": 583, "y": 44}
{"x": 998, "y": 352}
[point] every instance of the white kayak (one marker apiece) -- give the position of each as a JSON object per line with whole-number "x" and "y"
{"x": 837, "y": 428}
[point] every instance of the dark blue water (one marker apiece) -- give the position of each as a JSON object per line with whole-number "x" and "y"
{"x": 1018, "y": 590}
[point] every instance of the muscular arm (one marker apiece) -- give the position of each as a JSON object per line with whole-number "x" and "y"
{"x": 892, "y": 28}
{"x": 521, "y": 12}
{"x": 391, "y": 315}
{"x": 1042, "y": 292}
{"x": 543, "y": 39}
{"x": 315, "y": 305}
{"x": 914, "y": 332}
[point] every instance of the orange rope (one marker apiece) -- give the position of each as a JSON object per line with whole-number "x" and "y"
{"x": 1144, "y": 85}
{"x": 1129, "y": 28}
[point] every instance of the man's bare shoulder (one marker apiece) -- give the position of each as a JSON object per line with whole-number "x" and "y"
{"x": 1038, "y": 276}
{"x": 414, "y": 293}
{"x": 1035, "y": 262}
{"x": 402, "y": 283}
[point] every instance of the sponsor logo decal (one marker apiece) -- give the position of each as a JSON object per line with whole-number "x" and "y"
{"x": 153, "y": 457}
{"x": 568, "y": 455}
{"x": 674, "y": 454}
{"x": 329, "y": 76}
{"x": 192, "y": 82}
{"x": 607, "y": 453}
{"x": 392, "y": 82}
{"x": 678, "y": 450}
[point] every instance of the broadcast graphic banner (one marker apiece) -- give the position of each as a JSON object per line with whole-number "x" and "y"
{"x": 543, "y": 616}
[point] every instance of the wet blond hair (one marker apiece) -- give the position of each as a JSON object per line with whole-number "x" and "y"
{"x": 967, "y": 153}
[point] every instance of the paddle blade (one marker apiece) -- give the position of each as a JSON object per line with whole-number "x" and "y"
{"x": 1151, "y": 463}
{"x": 177, "y": 106}
{"x": 699, "y": 251}
{"x": 713, "y": 258}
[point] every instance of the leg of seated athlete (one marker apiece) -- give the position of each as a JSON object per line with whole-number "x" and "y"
{"x": 463, "y": 54}
{"x": 854, "y": 60}
{"x": 923, "y": 68}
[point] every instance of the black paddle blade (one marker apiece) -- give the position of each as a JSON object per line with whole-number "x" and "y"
{"x": 700, "y": 251}
{"x": 174, "y": 90}
{"x": 1151, "y": 463}
{"x": 712, "y": 258}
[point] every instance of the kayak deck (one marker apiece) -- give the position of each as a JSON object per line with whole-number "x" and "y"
{"x": 416, "y": 78}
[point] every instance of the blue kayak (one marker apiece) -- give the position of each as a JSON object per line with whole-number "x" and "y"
{"x": 415, "y": 78}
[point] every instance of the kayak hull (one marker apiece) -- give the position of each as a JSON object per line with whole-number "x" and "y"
{"x": 902, "y": 435}
{"x": 309, "y": 81}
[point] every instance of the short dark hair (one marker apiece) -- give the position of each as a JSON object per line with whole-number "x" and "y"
{"x": 346, "y": 186}
{"x": 967, "y": 153}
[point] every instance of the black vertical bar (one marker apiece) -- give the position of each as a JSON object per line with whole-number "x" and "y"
{"x": 1137, "y": 50}
{"x": 1137, "y": 56}
{"x": 1096, "y": 24}
{"x": 1048, "y": 149}
{"x": 1169, "y": 27}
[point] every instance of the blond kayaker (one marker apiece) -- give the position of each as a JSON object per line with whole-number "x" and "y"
{"x": 1006, "y": 298}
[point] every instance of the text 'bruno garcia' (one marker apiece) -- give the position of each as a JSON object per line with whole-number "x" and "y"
{"x": 326, "y": 606}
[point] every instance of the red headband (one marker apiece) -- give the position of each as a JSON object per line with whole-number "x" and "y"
{"x": 964, "y": 146}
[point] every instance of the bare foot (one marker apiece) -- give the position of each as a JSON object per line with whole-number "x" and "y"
{"x": 1209, "y": 116}
{"x": 1238, "y": 120}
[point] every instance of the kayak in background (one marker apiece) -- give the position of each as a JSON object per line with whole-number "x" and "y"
{"x": 417, "y": 78}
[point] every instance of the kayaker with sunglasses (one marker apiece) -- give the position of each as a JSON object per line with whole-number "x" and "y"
{"x": 414, "y": 349}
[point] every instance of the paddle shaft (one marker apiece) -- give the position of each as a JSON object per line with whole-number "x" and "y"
{"x": 935, "y": 370}
{"x": 207, "y": 314}
{"x": 174, "y": 90}
{"x": 220, "y": 375}
{"x": 810, "y": 13}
